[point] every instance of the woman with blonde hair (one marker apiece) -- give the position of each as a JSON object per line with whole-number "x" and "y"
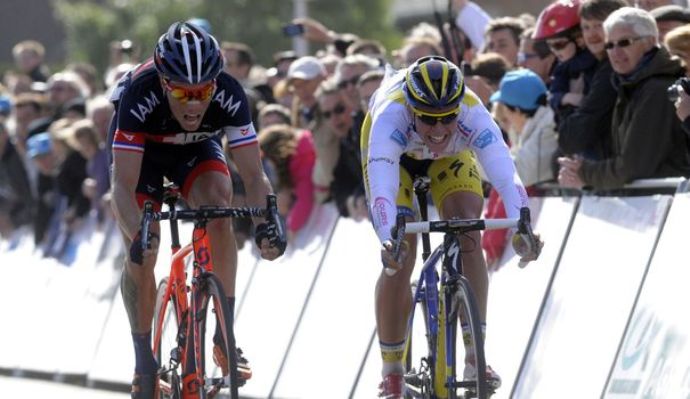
{"x": 291, "y": 151}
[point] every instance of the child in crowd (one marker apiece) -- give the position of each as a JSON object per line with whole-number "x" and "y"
{"x": 559, "y": 26}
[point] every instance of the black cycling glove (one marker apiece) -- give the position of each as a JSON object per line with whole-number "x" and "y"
{"x": 274, "y": 233}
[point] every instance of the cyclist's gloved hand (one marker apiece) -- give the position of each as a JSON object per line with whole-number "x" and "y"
{"x": 271, "y": 238}
{"x": 391, "y": 264}
{"x": 137, "y": 253}
{"x": 527, "y": 247}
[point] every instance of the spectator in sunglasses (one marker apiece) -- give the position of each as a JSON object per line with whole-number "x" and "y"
{"x": 587, "y": 131}
{"x": 647, "y": 138}
{"x": 347, "y": 73}
{"x": 536, "y": 56}
{"x": 335, "y": 123}
{"x": 559, "y": 26}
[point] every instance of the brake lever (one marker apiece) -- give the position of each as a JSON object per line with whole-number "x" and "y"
{"x": 272, "y": 214}
{"x": 398, "y": 235}
{"x": 526, "y": 233}
{"x": 145, "y": 224}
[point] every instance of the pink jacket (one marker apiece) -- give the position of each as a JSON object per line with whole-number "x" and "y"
{"x": 301, "y": 166}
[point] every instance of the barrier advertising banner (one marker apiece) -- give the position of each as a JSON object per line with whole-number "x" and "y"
{"x": 591, "y": 297}
{"x": 654, "y": 359}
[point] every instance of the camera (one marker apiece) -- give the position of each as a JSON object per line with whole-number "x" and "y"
{"x": 292, "y": 30}
{"x": 680, "y": 84}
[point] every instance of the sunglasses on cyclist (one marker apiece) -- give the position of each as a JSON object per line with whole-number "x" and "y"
{"x": 345, "y": 83}
{"x": 186, "y": 94}
{"x": 337, "y": 110}
{"x": 622, "y": 43}
{"x": 432, "y": 120}
{"x": 559, "y": 45}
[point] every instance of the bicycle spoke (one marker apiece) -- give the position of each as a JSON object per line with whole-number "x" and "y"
{"x": 214, "y": 310}
{"x": 167, "y": 354}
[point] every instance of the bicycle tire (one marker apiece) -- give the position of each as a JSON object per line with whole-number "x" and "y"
{"x": 165, "y": 320}
{"x": 212, "y": 292}
{"x": 467, "y": 301}
{"x": 417, "y": 381}
{"x": 447, "y": 324}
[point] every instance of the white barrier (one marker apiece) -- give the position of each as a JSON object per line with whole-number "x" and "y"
{"x": 587, "y": 307}
{"x": 516, "y": 294}
{"x": 25, "y": 277}
{"x": 654, "y": 359}
{"x": 275, "y": 298}
{"x": 306, "y": 321}
{"x": 331, "y": 341}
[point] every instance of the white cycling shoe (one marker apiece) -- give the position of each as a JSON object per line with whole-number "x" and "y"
{"x": 492, "y": 378}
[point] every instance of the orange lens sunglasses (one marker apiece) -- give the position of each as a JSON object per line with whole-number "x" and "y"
{"x": 186, "y": 94}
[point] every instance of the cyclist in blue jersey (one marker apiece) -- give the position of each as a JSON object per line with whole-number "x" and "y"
{"x": 171, "y": 113}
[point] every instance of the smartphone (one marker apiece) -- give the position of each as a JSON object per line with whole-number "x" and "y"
{"x": 292, "y": 30}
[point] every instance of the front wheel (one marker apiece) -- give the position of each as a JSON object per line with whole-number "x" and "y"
{"x": 216, "y": 332}
{"x": 475, "y": 384}
{"x": 166, "y": 348}
{"x": 417, "y": 370}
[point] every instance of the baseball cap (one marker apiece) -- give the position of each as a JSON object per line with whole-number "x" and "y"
{"x": 306, "y": 68}
{"x": 520, "y": 88}
{"x": 38, "y": 144}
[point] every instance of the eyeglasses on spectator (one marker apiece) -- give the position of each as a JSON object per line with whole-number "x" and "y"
{"x": 622, "y": 43}
{"x": 337, "y": 110}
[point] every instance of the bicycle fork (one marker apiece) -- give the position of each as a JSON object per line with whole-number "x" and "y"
{"x": 445, "y": 373}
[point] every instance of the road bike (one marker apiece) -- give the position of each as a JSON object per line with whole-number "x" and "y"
{"x": 446, "y": 298}
{"x": 192, "y": 319}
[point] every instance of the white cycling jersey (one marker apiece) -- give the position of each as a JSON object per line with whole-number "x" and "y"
{"x": 392, "y": 134}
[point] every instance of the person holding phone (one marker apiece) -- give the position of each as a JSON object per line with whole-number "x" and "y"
{"x": 314, "y": 31}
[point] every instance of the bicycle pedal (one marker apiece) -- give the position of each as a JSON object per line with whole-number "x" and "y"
{"x": 413, "y": 379}
{"x": 471, "y": 393}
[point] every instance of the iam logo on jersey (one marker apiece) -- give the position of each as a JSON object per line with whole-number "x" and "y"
{"x": 143, "y": 110}
{"x": 228, "y": 105}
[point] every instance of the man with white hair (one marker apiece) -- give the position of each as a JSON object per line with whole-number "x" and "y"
{"x": 647, "y": 139}
{"x": 304, "y": 76}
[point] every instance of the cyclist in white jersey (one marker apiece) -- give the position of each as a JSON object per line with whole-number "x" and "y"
{"x": 424, "y": 121}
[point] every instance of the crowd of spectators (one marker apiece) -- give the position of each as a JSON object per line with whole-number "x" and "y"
{"x": 581, "y": 92}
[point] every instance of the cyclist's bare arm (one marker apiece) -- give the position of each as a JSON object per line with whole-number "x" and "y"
{"x": 257, "y": 186}
{"x": 125, "y": 176}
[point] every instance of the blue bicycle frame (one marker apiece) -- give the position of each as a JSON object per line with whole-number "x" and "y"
{"x": 427, "y": 292}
